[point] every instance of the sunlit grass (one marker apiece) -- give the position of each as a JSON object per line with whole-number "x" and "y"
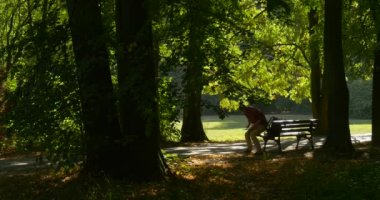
{"x": 232, "y": 128}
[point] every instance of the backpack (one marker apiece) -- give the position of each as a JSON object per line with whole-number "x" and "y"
{"x": 273, "y": 130}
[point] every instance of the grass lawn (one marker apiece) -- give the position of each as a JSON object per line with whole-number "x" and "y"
{"x": 232, "y": 128}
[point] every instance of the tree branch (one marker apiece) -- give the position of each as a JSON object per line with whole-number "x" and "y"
{"x": 298, "y": 47}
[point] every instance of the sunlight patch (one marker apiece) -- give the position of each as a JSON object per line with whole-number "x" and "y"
{"x": 309, "y": 154}
{"x": 19, "y": 164}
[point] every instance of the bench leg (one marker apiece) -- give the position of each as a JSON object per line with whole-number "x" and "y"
{"x": 311, "y": 142}
{"x": 298, "y": 141}
{"x": 279, "y": 144}
{"x": 265, "y": 144}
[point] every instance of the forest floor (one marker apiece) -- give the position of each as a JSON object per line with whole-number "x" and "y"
{"x": 222, "y": 173}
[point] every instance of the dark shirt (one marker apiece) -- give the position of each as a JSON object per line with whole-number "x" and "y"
{"x": 254, "y": 115}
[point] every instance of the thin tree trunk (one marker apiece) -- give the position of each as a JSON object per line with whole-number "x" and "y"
{"x": 338, "y": 138}
{"x": 137, "y": 76}
{"x": 318, "y": 103}
{"x": 315, "y": 65}
{"x": 98, "y": 107}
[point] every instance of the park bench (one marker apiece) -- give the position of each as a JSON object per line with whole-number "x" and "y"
{"x": 301, "y": 129}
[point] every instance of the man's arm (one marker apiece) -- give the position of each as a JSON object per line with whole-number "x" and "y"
{"x": 249, "y": 123}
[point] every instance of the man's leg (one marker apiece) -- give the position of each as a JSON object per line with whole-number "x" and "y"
{"x": 248, "y": 139}
{"x": 256, "y": 130}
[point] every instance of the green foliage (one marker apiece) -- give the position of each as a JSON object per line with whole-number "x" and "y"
{"x": 169, "y": 110}
{"x": 42, "y": 87}
{"x": 359, "y": 40}
{"x": 272, "y": 57}
{"x": 278, "y": 8}
{"x": 247, "y": 55}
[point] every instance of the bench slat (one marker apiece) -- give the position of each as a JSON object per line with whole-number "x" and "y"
{"x": 296, "y": 130}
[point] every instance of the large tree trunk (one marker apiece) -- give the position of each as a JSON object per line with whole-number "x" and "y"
{"x": 192, "y": 128}
{"x": 375, "y": 10}
{"x": 96, "y": 93}
{"x": 137, "y": 76}
{"x": 376, "y": 97}
{"x": 338, "y": 137}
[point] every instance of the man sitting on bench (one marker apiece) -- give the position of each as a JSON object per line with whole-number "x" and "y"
{"x": 257, "y": 124}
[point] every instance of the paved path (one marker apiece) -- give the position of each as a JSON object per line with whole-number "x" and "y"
{"x": 20, "y": 164}
{"x": 228, "y": 148}
{"x": 27, "y": 163}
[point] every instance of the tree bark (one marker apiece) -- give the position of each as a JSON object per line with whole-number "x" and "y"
{"x": 376, "y": 97}
{"x": 138, "y": 92}
{"x": 375, "y": 11}
{"x": 338, "y": 137}
{"x": 192, "y": 128}
{"x": 96, "y": 91}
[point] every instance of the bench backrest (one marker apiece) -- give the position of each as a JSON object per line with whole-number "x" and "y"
{"x": 275, "y": 127}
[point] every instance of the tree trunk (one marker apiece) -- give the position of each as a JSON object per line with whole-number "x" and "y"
{"x": 4, "y": 104}
{"x": 138, "y": 92}
{"x": 192, "y": 128}
{"x": 338, "y": 137}
{"x": 375, "y": 11}
{"x": 319, "y": 106}
{"x": 376, "y": 97}
{"x": 315, "y": 65}
{"x": 96, "y": 93}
